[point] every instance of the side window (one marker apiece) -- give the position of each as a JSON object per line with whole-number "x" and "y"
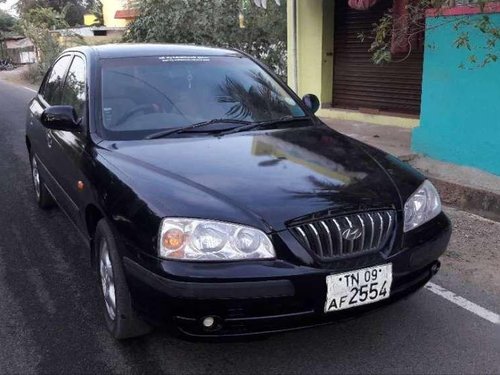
{"x": 52, "y": 90}
{"x": 74, "y": 92}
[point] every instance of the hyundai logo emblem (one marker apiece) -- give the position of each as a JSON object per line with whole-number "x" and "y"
{"x": 351, "y": 234}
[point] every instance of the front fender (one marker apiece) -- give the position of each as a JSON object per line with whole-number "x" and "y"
{"x": 136, "y": 206}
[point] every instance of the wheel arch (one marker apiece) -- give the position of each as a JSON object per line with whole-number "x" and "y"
{"x": 92, "y": 216}
{"x": 28, "y": 143}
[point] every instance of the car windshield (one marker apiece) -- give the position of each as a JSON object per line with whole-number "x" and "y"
{"x": 145, "y": 95}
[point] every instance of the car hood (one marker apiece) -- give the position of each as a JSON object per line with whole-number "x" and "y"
{"x": 275, "y": 176}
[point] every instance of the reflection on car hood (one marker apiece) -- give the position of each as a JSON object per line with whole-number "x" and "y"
{"x": 276, "y": 175}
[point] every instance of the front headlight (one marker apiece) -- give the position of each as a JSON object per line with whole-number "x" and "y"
{"x": 209, "y": 240}
{"x": 423, "y": 205}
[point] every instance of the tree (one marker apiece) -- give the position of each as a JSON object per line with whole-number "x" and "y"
{"x": 72, "y": 10}
{"x": 7, "y": 22}
{"x": 36, "y": 24}
{"x": 95, "y": 7}
{"x": 223, "y": 23}
{"x": 44, "y": 18}
{"x": 402, "y": 29}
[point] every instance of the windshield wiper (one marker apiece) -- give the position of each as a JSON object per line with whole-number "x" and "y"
{"x": 256, "y": 125}
{"x": 165, "y": 133}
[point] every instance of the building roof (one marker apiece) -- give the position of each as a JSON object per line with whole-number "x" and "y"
{"x": 18, "y": 43}
{"x": 9, "y": 36}
{"x": 126, "y": 14}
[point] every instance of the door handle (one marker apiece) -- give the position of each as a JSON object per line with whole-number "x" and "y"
{"x": 49, "y": 139}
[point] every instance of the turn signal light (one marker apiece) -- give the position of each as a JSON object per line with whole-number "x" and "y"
{"x": 173, "y": 239}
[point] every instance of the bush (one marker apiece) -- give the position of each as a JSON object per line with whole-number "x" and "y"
{"x": 32, "y": 74}
{"x": 215, "y": 23}
{"x": 47, "y": 49}
{"x": 36, "y": 25}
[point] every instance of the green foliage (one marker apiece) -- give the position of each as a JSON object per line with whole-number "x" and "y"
{"x": 95, "y": 7}
{"x": 7, "y": 22}
{"x": 44, "y": 18}
{"x": 490, "y": 33}
{"x": 383, "y": 34}
{"x": 215, "y": 23}
{"x": 72, "y": 11}
{"x": 36, "y": 24}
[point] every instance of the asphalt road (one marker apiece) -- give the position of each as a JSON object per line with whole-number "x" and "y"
{"x": 50, "y": 319}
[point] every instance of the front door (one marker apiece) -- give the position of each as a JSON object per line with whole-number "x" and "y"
{"x": 42, "y": 138}
{"x": 68, "y": 147}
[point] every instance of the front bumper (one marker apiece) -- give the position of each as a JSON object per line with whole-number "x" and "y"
{"x": 249, "y": 298}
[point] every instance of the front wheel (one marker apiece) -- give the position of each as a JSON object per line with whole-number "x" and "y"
{"x": 121, "y": 319}
{"x": 42, "y": 195}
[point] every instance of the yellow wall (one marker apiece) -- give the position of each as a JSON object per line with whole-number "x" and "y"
{"x": 109, "y": 8}
{"x": 314, "y": 20}
{"x": 327, "y": 52}
{"x": 89, "y": 19}
{"x": 291, "y": 47}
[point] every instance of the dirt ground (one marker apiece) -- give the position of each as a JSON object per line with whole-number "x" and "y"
{"x": 17, "y": 76}
{"x": 474, "y": 249}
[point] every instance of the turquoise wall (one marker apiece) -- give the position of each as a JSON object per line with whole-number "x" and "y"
{"x": 460, "y": 115}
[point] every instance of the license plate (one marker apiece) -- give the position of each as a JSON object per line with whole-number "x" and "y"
{"x": 359, "y": 287}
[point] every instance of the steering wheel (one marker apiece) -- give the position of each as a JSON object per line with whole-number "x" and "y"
{"x": 145, "y": 108}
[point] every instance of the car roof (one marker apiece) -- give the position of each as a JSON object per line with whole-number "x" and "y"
{"x": 124, "y": 50}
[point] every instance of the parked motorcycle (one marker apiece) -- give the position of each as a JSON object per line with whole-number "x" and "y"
{"x": 6, "y": 65}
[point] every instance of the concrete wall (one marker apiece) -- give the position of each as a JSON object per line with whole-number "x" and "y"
{"x": 460, "y": 117}
{"x": 114, "y": 36}
{"x": 109, "y": 8}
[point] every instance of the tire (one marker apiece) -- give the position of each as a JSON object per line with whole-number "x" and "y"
{"x": 121, "y": 319}
{"x": 42, "y": 195}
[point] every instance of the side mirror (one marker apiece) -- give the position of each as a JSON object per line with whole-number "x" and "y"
{"x": 311, "y": 101}
{"x": 60, "y": 117}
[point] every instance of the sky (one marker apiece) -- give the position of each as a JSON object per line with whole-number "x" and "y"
{"x": 8, "y": 6}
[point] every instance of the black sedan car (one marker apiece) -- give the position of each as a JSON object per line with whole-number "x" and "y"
{"x": 213, "y": 200}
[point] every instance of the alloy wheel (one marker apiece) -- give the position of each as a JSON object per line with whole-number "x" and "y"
{"x": 107, "y": 280}
{"x": 36, "y": 177}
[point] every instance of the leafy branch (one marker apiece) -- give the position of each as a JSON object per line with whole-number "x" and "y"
{"x": 404, "y": 30}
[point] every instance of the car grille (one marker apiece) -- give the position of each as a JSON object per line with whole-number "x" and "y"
{"x": 346, "y": 235}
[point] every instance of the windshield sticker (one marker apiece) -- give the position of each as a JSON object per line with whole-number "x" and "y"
{"x": 184, "y": 58}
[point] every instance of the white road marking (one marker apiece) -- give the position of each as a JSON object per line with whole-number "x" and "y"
{"x": 463, "y": 303}
{"x": 28, "y": 88}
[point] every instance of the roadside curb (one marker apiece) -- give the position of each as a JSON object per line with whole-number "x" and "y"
{"x": 480, "y": 202}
